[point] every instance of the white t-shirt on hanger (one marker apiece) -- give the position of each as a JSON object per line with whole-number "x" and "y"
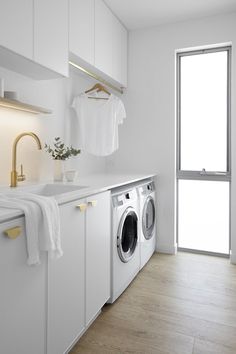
{"x": 98, "y": 123}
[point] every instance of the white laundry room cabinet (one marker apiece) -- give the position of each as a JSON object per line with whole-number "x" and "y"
{"x": 98, "y": 40}
{"x": 46, "y": 308}
{"x": 119, "y": 52}
{"x": 103, "y": 37}
{"x": 16, "y": 26}
{"x": 97, "y": 253}
{"x": 22, "y": 295}
{"x": 66, "y": 278}
{"x": 79, "y": 282}
{"x": 81, "y": 40}
{"x": 51, "y": 34}
{"x": 34, "y": 37}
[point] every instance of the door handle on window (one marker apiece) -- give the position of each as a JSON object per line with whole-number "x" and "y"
{"x": 211, "y": 173}
{"x": 203, "y": 172}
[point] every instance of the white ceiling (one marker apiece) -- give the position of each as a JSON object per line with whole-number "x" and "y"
{"x": 147, "y": 13}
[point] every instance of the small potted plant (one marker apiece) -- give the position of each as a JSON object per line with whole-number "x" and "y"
{"x": 60, "y": 153}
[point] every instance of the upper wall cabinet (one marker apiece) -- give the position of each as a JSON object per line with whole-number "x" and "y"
{"x": 81, "y": 41}
{"x": 103, "y": 37}
{"x": 34, "y": 32}
{"x": 16, "y": 24}
{"x": 51, "y": 34}
{"x": 119, "y": 52}
{"x": 97, "y": 40}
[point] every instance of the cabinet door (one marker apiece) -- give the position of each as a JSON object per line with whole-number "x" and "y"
{"x": 97, "y": 254}
{"x": 22, "y": 296}
{"x": 119, "y": 52}
{"x": 81, "y": 33}
{"x": 66, "y": 290}
{"x": 103, "y": 37}
{"x": 51, "y": 34}
{"x": 16, "y": 26}
{"x": 124, "y": 56}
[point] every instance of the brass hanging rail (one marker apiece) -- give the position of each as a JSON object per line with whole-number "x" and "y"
{"x": 96, "y": 77}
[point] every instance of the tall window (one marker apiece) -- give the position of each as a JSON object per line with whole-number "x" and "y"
{"x": 203, "y": 149}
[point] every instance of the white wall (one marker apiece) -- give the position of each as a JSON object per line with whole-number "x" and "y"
{"x": 147, "y": 140}
{"x": 53, "y": 94}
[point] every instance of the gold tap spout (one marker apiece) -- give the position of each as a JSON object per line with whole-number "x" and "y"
{"x": 14, "y": 174}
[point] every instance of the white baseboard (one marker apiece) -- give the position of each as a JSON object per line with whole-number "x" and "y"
{"x": 232, "y": 258}
{"x": 166, "y": 248}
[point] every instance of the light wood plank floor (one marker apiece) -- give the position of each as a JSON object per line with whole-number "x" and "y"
{"x": 184, "y": 304}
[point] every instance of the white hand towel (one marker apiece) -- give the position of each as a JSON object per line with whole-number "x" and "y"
{"x": 32, "y": 218}
{"x": 49, "y": 238}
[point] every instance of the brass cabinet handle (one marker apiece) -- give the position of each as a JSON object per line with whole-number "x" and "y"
{"x": 13, "y": 233}
{"x": 92, "y": 203}
{"x": 82, "y": 207}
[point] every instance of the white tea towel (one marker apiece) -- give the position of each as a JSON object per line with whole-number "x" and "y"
{"x": 50, "y": 238}
{"x": 32, "y": 218}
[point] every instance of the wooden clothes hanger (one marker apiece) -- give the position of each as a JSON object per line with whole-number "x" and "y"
{"x": 98, "y": 88}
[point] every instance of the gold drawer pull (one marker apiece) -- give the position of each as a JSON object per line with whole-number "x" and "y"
{"x": 13, "y": 233}
{"x": 81, "y": 207}
{"x": 92, "y": 203}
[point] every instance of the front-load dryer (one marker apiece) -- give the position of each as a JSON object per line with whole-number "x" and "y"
{"x": 125, "y": 252}
{"x": 147, "y": 205}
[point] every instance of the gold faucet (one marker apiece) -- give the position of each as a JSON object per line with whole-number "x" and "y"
{"x": 14, "y": 175}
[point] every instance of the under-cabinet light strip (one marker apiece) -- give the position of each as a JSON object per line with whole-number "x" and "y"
{"x": 7, "y": 105}
{"x": 20, "y": 106}
{"x": 96, "y": 77}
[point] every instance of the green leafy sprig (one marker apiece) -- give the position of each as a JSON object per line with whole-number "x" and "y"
{"x": 60, "y": 151}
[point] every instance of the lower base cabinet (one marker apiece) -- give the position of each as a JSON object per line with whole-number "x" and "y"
{"x": 66, "y": 277}
{"x": 97, "y": 254}
{"x": 22, "y": 295}
{"x": 44, "y": 309}
{"x": 79, "y": 282}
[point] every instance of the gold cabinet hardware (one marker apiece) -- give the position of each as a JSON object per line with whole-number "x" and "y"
{"x": 82, "y": 207}
{"x": 92, "y": 203}
{"x": 13, "y": 233}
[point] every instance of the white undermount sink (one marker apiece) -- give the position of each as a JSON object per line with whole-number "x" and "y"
{"x": 52, "y": 189}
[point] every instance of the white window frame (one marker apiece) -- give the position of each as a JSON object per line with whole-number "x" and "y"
{"x": 198, "y": 175}
{"x": 216, "y": 175}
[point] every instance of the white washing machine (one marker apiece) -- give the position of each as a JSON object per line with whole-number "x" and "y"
{"x": 147, "y": 203}
{"x": 125, "y": 252}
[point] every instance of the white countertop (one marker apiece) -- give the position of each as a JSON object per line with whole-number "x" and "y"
{"x": 94, "y": 184}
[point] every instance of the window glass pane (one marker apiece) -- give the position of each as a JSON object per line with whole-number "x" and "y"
{"x": 203, "y": 215}
{"x": 203, "y": 107}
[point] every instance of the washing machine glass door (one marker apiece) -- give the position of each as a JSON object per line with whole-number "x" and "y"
{"x": 148, "y": 219}
{"x": 127, "y": 237}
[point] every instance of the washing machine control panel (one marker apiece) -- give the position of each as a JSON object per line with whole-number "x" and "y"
{"x": 148, "y": 188}
{"x": 123, "y": 198}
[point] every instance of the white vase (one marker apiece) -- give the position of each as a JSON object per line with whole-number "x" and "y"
{"x": 58, "y": 174}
